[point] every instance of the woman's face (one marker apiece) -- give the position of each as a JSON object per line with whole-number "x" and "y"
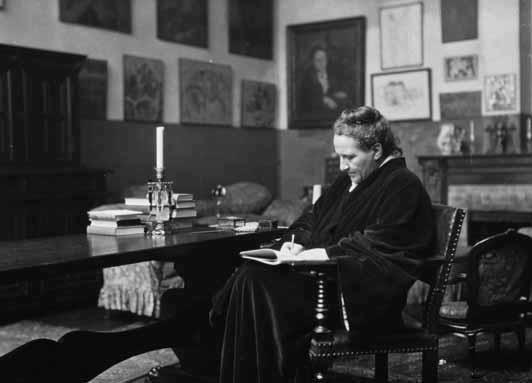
{"x": 357, "y": 162}
{"x": 320, "y": 60}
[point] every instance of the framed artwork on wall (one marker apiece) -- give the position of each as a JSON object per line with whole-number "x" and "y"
{"x": 401, "y": 28}
{"x": 183, "y": 21}
{"x": 500, "y": 92}
{"x": 459, "y": 20}
{"x": 93, "y": 90}
{"x": 460, "y": 68}
{"x": 251, "y": 28}
{"x": 460, "y": 105}
{"x": 259, "y": 101}
{"x": 143, "y": 89}
{"x": 402, "y": 96}
{"x": 2, "y": 4}
{"x": 108, "y": 14}
{"x": 326, "y": 70}
{"x": 206, "y": 92}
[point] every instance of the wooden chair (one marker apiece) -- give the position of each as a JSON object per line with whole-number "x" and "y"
{"x": 328, "y": 345}
{"x": 497, "y": 286}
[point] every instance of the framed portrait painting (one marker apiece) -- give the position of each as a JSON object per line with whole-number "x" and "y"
{"x": 206, "y": 92}
{"x": 402, "y": 96}
{"x": 326, "y": 70}
{"x": 143, "y": 89}
{"x": 401, "y": 30}
{"x": 183, "y": 21}
{"x": 108, "y": 14}
{"x": 500, "y": 92}
{"x": 259, "y": 100}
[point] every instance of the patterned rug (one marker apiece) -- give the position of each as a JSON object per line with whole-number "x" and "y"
{"x": 508, "y": 365}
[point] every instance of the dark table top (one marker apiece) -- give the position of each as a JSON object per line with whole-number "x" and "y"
{"x": 33, "y": 258}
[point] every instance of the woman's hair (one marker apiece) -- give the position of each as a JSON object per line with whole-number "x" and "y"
{"x": 369, "y": 127}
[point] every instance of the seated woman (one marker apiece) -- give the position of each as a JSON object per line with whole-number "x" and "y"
{"x": 376, "y": 220}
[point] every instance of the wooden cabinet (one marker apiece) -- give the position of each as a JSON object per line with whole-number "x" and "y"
{"x": 39, "y": 117}
{"x": 43, "y": 189}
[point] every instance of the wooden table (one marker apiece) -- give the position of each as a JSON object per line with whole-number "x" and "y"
{"x": 208, "y": 256}
{"x": 42, "y": 256}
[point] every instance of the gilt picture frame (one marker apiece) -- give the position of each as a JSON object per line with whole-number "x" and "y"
{"x": 403, "y": 96}
{"x": 326, "y": 70}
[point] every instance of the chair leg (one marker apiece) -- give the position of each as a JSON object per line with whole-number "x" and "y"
{"x": 520, "y": 332}
{"x": 497, "y": 339}
{"x": 429, "y": 366}
{"x": 471, "y": 340}
{"x": 381, "y": 368}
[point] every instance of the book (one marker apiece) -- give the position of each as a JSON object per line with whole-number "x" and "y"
{"x": 114, "y": 214}
{"x": 270, "y": 256}
{"x": 184, "y": 199}
{"x": 116, "y": 231}
{"x": 119, "y": 223}
{"x": 184, "y": 213}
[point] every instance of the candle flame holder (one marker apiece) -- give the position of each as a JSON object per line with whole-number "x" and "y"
{"x": 162, "y": 205}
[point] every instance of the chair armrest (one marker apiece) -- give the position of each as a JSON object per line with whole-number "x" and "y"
{"x": 462, "y": 277}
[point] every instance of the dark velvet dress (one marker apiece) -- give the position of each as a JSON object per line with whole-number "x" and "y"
{"x": 379, "y": 233}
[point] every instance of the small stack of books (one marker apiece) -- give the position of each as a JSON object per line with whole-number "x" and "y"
{"x": 115, "y": 222}
{"x": 182, "y": 217}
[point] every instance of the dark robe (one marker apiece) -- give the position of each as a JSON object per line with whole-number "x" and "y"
{"x": 379, "y": 233}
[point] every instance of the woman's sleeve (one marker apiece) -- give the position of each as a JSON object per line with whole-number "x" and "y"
{"x": 402, "y": 223}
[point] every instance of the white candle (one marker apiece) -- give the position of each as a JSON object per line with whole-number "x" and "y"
{"x": 528, "y": 129}
{"x": 471, "y": 130}
{"x": 159, "y": 147}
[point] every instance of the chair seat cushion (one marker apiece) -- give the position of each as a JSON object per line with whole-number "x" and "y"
{"x": 348, "y": 343}
{"x": 454, "y": 310}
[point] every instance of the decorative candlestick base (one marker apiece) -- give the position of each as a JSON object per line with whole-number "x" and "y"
{"x": 162, "y": 205}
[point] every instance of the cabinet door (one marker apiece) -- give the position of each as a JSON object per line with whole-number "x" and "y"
{"x": 50, "y": 116}
{"x": 7, "y": 148}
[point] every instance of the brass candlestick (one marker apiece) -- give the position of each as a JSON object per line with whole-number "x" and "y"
{"x": 162, "y": 205}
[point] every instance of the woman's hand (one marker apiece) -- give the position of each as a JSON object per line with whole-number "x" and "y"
{"x": 293, "y": 249}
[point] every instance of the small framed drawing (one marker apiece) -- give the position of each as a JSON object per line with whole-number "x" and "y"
{"x": 402, "y": 96}
{"x": 259, "y": 100}
{"x": 459, "y": 68}
{"x": 500, "y": 92}
{"x": 206, "y": 92}
{"x": 143, "y": 89}
{"x": 401, "y": 28}
{"x": 326, "y": 70}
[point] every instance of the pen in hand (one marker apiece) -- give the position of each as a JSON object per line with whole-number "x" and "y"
{"x": 292, "y": 244}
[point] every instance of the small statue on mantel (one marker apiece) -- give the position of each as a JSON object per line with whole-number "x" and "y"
{"x": 500, "y": 137}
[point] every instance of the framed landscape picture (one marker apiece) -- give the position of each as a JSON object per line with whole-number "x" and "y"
{"x": 183, "y": 21}
{"x": 326, "y": 70}
{"x": 108, "y": 14}
{"x": 402, "y": 96}
{"x": 401, "y": 31}
{"x": 251, "y": 28}
{"x": 206, "y": 92}
{"x": 93, "y": 90}
{"x": 143, "y": 89}
{"x": 461, "y": 68}
{"x": 259, "y": 101}
{"x": 500, "y": 92}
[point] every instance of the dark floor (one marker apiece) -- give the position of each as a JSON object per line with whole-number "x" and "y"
{"x": 505, "y": 366}
{"x": 53, "y": 326}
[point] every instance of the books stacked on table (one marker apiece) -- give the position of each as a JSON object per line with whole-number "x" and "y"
{"x": 115, "y": 222}
{"x": 184, "y": 214}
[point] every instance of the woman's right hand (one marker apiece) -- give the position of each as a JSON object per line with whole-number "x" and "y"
{"x": 293, "y": 249}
